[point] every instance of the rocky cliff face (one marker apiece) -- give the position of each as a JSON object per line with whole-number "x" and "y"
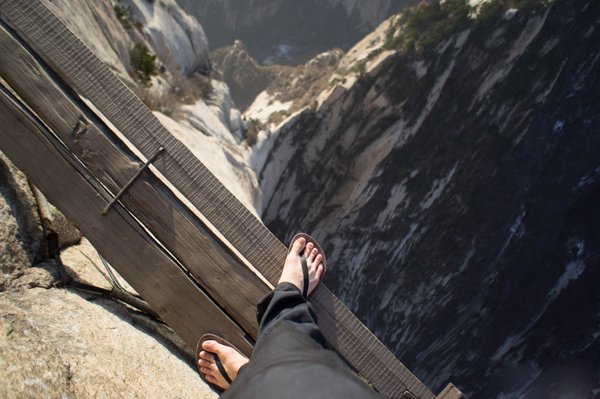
{"x": 455, "y": 185}
{"x": 250, "y": 82}
{"x": 242, "y": 73}
{"x": 176, "y": 37}
{"x": 112, "y": 30}
{"x": 177, "y": 84}
{"x": 57, "y": 343}
{"x": 289, "y": 31}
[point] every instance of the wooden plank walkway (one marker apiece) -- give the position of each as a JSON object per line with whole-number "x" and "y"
{"x": 113, "y": 165}
{"x": 120, "y": 238}
{"x": 192, "y": 250}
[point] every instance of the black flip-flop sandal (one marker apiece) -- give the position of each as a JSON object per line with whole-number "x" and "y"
{"x": 303, "y": 261}
{"x": 222, "y": 341}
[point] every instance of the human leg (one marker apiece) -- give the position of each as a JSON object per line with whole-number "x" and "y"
{"x": 219, "y": 362}
{"x": 287, "y": 302}
{"x": 290, "y": 358}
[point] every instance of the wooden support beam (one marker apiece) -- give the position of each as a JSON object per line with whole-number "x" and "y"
{"x": 95, "y": 145}
{"x": 121, "y": 240}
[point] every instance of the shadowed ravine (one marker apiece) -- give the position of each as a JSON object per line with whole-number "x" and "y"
{"x": 457, "y": 192}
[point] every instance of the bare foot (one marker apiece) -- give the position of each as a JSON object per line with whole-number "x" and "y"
{"x": 292, "y": 269}
{"x": 231, "y": 359}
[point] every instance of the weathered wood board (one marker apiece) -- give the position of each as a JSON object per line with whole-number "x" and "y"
{"x": 186, "y": 238}
{"x": 60, "y": 69}
{"x": 121, "y": 240}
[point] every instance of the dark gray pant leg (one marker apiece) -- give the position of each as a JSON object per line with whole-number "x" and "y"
{"x": 286, "y": 302}
{"x": 291, "y": 359}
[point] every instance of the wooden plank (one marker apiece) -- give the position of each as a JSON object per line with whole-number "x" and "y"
{"x": 118, "y": 236}
{"x": 92, "y": 79}
{"x": 451, "y": 392}
{"x": 207, "y": 260}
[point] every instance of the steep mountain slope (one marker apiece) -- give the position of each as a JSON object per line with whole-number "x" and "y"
{"x": 456, "y": 186}
{"x": 290, "y": 31}
{"x": 172, "y": 50}
{"x": 242, "y": 73}
{"x": 250, "y": 82}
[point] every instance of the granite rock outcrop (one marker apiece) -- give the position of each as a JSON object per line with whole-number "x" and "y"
{"x": 455, "y": 183}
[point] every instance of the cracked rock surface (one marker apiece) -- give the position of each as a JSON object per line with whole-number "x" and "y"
{"x": 58, "y": 343}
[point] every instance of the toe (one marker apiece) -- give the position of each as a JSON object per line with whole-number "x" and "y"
{"x": 308, "y": 249}
{"x": 318, "y": 259}
{"x": 313, "y": 254}
{"x": 207, "y": 356}
{"x": 320, "y": 270}
{"x": 298, "y": 245}
{"x": 212, "y": 346}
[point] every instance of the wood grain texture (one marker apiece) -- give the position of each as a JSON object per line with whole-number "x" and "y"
{"x": 118, "y": 236}
{"x": 207, "y": 260}
{"x": 451, "y": 392}
{"x": 91, "y": 78}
